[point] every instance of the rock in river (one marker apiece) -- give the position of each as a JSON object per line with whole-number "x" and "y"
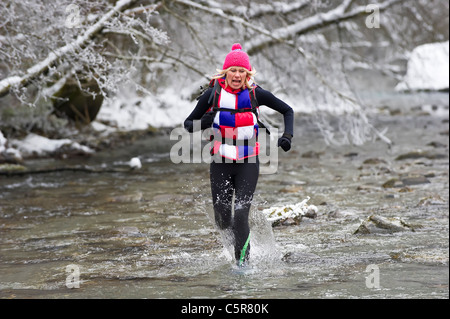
{"x": 406, "y": 181}
{"x": 420, "y": 154}
{"x": 301, "y": 258}
{"x": 376, "y": 224}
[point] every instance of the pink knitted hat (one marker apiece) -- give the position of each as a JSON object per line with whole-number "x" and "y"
{"x": 237, "y": 57}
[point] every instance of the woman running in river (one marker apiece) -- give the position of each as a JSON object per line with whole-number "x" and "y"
{"x": 231, "y": 108}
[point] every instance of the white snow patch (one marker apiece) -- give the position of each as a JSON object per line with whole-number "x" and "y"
{"x": 2, "y": 142}
{"x": 428, "y": 68}
{"x": 36, "y": 145}
{"x": 135, "y": 163}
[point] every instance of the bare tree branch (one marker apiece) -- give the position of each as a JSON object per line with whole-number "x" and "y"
{"x": 312, "y": 23}
{"x": 253, "y": 11}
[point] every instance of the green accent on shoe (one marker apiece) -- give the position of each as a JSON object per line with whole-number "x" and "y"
{"x": 244, "y": 249}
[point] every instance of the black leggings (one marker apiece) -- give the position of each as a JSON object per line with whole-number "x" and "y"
{"x": 240, "y": 179}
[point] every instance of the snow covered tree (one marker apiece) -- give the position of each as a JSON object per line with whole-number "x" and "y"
{"x": 44, "y": 43}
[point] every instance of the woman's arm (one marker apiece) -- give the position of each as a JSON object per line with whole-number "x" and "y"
{"x": 268, "y": 99}
{"x": 199, "y": 111}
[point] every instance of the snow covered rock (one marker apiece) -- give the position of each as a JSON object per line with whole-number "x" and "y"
{"x": 36, "y": 145}
{"x": 290, "y": 214}
{"x": 428, "y": 68}
{"x": 376, "y": 224}
{"x": 135, "y": 163}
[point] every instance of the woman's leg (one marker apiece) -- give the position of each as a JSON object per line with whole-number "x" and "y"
{"x": 222, "y": 188}
{"x": 246, "y": 179}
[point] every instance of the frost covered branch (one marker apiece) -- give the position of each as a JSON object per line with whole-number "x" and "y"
{"x": 55, "y": 56}
{"x": 256, "y": 11}
{"x": 266, "y": 37}
{"x": 309, "y": 24}
{"x": 220, "y": 13}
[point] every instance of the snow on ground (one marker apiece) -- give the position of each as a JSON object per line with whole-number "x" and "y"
{"x": 36, "y": 145}
{"x": 428, "y": 68}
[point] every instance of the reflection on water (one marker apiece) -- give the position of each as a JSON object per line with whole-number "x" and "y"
{"x": 150, "y": 233}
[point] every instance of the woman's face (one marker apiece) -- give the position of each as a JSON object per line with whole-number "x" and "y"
{"x": 236, "y": 78}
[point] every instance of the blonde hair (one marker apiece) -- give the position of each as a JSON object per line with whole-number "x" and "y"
{"x": 247, "y": 83}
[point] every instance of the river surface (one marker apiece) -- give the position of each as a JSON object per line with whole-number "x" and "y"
{"x": 149, "y": 233}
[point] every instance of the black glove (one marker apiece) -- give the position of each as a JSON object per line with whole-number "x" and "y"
{"x": 207, "y": 120}
{"x": 189, "y": 126}
{"x": 285, "y": 142}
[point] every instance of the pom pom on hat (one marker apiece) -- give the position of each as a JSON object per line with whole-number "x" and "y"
{"x": 236, "y": 46}
{"x": 237, "y": 57}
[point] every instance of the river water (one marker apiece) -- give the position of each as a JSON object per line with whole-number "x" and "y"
{"x": 149, "y": 233}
